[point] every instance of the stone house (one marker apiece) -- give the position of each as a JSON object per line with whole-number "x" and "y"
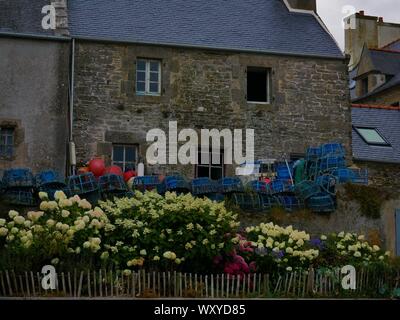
{"x": 270, "y": 66}
{"x": 277, "y": 71}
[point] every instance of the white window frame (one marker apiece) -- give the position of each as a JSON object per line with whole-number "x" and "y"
{"x": 268, "y": 88}
{"x": 124, "y": 162}
{"x": 147, "y": 81}
{"x": 210, "y": 165}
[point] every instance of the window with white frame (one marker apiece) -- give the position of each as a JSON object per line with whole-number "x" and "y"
{"x": 125, "y": 156}
{"x": 148, "y": 77}
{"x": 6, "y": 142}
{"x": 210, "y": 168}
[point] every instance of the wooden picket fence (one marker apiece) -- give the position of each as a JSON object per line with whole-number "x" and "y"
{"x": 142, "y": 284}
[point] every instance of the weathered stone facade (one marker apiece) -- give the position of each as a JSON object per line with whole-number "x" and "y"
{"x": 207, "y": 89}
{"x": 385, "y": 98}
{"x": 383, "y": 175}
{"x": 34, "y": 102}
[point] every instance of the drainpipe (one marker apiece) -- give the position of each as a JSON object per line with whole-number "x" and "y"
{"x": 72, "y": 152}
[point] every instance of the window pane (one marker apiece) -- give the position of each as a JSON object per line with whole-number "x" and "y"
{"x": 119, "y": 164}
{"x": 216, "y": 173}
{"x": 371, "y": 136}
{"x": 141, "y": 76}
{"x": 118, "y": 153}
{"x": 130, "y": 154}
{"x": 154, "y": 87}
{"x": 141, "y": 65}
{"x": 154, "y": 76}
{"x": 9, "y": 151}
{"x": 3, "y": 140}
{"x": 9, "y": 140}
{"x": 141, "y": 86}
{"x": 203, "y": 172}
{"x": 154, "y": 66}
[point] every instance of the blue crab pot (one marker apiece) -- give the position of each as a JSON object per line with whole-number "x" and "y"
{"x": 322, "y": 203}
{"x": 283, "y": 172}
{"x": 51, "y": 189}
{"x": 218, "y": 197}
{"x": 247, "y": 201}
{"x": 344, "y": 175}
{"x": 20, "y": 196}
{"x": 306, "y": 189}
{"x": 110, "y": 195}
{"x": 331, "y": 162}
{"x": 360, "y": 176}
{"x": 18, "y": 178}
{"x": 203, "y": 186}
{"x": 48, "y": 177}
{"x": 327, "y": 183}
{"x": 258, "y": 186}
{"x": 279, "y": 186}
{"x": 267, "y": 202}
{"x": 176, "y": 183}
{"x": 290, "y": 203}
{"x": 231, "y": 184}
{"x": 146, "y": 183}
{"x": 313, "y": 153}
{"x": 82, "y": 184}
{"x": 333, "y": 149}
{"x": 112, "y": 183}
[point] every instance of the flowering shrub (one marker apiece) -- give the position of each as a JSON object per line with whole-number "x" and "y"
{"x": 349, "y": 248}
{"x": 278, "y": 247}
{"x": 145, "y": 230}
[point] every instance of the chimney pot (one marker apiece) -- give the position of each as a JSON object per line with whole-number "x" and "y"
{"x": 380, "y": 19}
{"x": 362, "y": 12}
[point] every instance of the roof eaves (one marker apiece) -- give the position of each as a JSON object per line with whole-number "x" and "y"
{"x": 178, "y": 45}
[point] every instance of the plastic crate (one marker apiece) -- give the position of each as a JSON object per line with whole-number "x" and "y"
{"x": 258, "y": 186}
{"x": 112, "y": 183}
{"x": 48, "y": 177}
{"x": 323, "y": 202}
{"x": 327, "y": 183}
{"x": 202, "y": 186}
{"x": 331, "y": 162}
{"x": 290, "y": 203}
{"x": 20, "y": 196}
{"x": 279, "y": 186}
{"x": 231, "y": 184}
{"x": 283, "y": 172}
{"x": 306, "y": 189}
{"x": 343, "y": 175}
{"x": 176, "y": 183}
{"x": 18, "y": 178}
{"x": 247, "y": 201}
{"x": 145, "y": 183}
{"x": 332, "y": 149}
{"x": 82, "y": 184}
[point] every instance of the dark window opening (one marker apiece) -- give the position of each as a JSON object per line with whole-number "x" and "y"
{"x": 6, "y": 142}
{"x": 396, "y": 104}
{"x": 258, "y": 84}
{"x": 125, "y": 156}
{"x": 210, "y": 169}
{"x": 364, "y": 86}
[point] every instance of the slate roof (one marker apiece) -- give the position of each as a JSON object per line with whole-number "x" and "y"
{"x": 253, "y": 25}
{"x": 386, "y": 120}
{"x": 395, "y": 45}
{"x": 386, "y": 61}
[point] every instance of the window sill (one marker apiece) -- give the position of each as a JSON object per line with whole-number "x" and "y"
{"x": 259, "y": 103}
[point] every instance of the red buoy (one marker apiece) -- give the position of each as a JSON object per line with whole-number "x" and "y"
{"x": 129, "y": 174}
{"x": 114, "y": 170}
{"x": 97, "y": 167}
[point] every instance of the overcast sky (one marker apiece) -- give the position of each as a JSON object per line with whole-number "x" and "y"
{"x": 332, "y": 12}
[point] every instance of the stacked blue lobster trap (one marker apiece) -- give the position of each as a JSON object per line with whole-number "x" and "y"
{"x": 85, "y": 186}
{"x": 50, "y": 181}
{"x": 18, "y": 187}
{"x": 112, "y": 185}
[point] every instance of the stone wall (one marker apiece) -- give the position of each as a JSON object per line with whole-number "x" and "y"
{"x": 34, "y": 101}
{"x": 383, "y": 175}
{"x": 207, "y": 89}
{"x": 386, "y": 98}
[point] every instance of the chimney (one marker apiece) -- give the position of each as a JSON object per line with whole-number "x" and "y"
{"x": 362, "y": 13}
{"x": 61, "y": 7}
{"x": 303, "y": 4}
{"x": 380, "y": 20}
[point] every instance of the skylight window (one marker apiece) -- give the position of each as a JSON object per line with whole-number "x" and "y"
{"x": 372, "y": 136}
